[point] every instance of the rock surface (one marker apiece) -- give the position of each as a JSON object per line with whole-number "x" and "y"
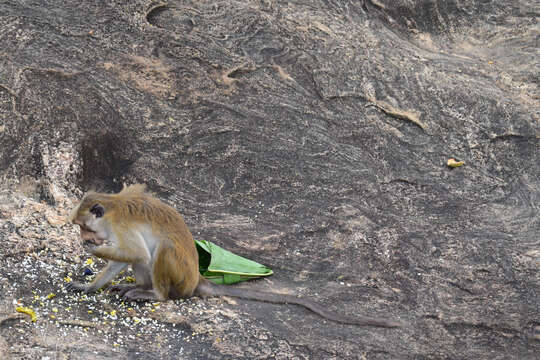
{"x": 311, "y": 136}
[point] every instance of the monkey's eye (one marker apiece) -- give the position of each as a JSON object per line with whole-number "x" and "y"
{"x": 97, "y": 210}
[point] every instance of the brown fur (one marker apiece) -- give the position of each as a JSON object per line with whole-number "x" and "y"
{"x": 170, "y": 269}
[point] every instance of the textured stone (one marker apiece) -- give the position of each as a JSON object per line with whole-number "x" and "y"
{"x": 311, "y": 136}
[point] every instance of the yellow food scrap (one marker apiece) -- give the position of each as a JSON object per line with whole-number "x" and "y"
{"x": 28, "y": 311}
{"x": 113, "y": 313}
{"x": 130, "y": 279}
{"x": 131, "y": 312}
{"x": 67, "y": 279}
{"x": 89, "y": 261}
{"x": 53, "y": 317}
{"x": 50, "y": 296}
{"x": 453, "y": 163}
{"x": 54, "y": 310}
{"x": 90, "y": 312}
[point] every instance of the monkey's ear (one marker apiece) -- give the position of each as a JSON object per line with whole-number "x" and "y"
{"x": 97, "y": 210}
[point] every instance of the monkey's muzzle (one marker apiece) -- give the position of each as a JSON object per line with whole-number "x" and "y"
{"x": 90, "y": 236}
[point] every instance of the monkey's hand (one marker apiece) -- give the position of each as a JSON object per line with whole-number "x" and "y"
{"x": 92, "y": 249}
{"x": 78, "y": 287}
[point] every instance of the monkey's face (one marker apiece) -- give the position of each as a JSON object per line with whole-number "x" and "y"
{"x": 89, "y": 215}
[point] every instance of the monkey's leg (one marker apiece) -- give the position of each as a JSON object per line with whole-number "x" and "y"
{"x": 154, "y": 291}
{"x": 142, "y": 276}
{"x": 110, "y": 271}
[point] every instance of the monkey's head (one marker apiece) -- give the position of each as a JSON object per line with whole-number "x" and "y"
{"x": 91, "y": 216}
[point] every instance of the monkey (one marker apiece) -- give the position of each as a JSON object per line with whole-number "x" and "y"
{"x": 135, "y": 228}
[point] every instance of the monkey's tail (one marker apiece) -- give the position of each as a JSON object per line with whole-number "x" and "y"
{"x": 207, "y": 288}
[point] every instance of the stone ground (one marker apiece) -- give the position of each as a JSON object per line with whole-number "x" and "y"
{"x": 310, "y": 136}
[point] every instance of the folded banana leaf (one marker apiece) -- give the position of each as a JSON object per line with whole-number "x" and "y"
{"x": 223, "y": 267}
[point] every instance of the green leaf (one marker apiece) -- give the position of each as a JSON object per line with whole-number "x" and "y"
{"x": 223, "y": 267}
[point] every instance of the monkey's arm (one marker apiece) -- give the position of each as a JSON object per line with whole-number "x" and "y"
{"x": 110, "y": 271}
{"x": 128, "y": 248}
{"x": 121, "y": 255}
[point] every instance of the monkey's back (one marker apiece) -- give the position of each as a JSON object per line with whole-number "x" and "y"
{"x": 176, "y": 261}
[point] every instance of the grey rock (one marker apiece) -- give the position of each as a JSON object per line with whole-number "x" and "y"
{"x": 313, "y": 137}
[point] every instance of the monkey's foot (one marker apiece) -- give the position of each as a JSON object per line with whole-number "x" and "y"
{"x": 122, "y": 289}
{"x": 75, "y": 286}
{"x": 142, "y": 295}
